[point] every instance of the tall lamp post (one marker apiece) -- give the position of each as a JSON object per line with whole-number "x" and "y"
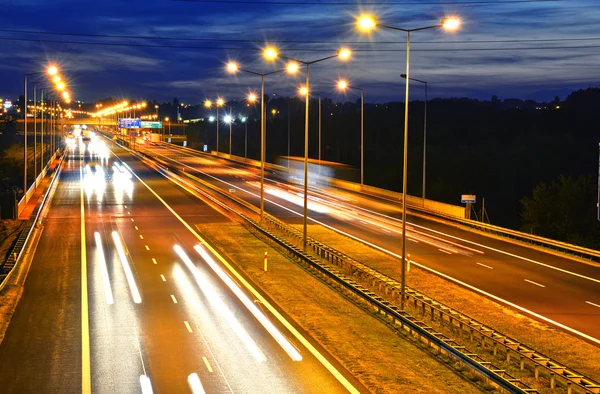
{"x": 229, "y": 120}
{"x": 366, "y": 24}
{"x": 232, "y": 67}
{"x": 343, "y": 85}
{"x": 218, "y": 103}
{"x": 272, "y": 53}
{"x": 424, "y": 134}
{"x": 52, "y": 70}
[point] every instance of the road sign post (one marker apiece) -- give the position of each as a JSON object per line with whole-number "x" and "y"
{"x": 468, "y": 199}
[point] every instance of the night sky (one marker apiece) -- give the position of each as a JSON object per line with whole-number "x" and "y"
{"x": 169, "y": 49}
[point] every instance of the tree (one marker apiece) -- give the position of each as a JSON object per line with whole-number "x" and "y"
{"x": 564, "y": 210}
{"x": 9, "y": 133}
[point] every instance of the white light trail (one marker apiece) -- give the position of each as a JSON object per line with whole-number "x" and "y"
{"x": 128, "y": 274}
{"x": 220, "y": 306}
{"x": 146, "y": 385}
{"x": 195, "y": 384}
{"x": 106, "y": 280}
{"x": 275, "y": 333}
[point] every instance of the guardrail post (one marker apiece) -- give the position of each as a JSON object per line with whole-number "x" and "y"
{"x": 552, "y": 382}
{"x": 507, "y": 355}
{"x": 536, "y": 369}
{"x": 265, "y": 266}
{"x": 522, "y": 363}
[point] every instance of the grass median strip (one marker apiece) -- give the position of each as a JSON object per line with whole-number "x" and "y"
{"x": 381, "y": 359}
{"x": 563, "y": 347}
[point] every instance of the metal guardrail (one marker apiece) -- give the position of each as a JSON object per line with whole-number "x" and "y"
{"x": 425, "y": 333}
{"x": 488, "y": 338}
{"x": 534, "y": 240}
{"x": 17, "y": 250}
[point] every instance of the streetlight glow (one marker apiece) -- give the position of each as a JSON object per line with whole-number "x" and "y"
{"x": 451, "y": 23}
{"x": 292, "y": 67}
{"x": 303, "y": 91}
{"x": 66, "y": 95}
{"x": 342, "y": 84}
{"x": 271, "y": 53}
{"x": 232, "y": 67}
{"x": 366, "y": 23}
{"x": 251, "y": 97}
{"x": 60, "y": 86}
{"x": 52, "y": 70}
{"x": 56, "y": 79}
{"x": 220, "y": 102}
{"x": 344, "y": 53}
{"x": 227, "y": 119}
{"x": 208, "y": 103}
{"x": 167, "y": 119}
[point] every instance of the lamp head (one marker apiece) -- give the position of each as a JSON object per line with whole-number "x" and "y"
{"x": 344, "y": 53}
{"x": 220, "y": 102}
{"x": 292, "y": 68}
{"x": 303, "y": 91}
{"x": 366, "y": 23}
{"x": 342, "y": 84}
{"x": 271, "y": 53}
{"x": 451, "y": 23}
{"x": 52, "y": 70}
{"x": 232, "y": 67}
{"x": 207, "y": 103}
{"x": 251, "y": 97}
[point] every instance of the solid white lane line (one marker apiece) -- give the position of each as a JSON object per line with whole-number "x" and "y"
{"x": 412, "y": 240}
{"x": 187, "y": 325}
{"x": 442, "y": 250}
{"x": 146, "y": 385}
{"x": 591, "y": 303}
{"x": 147, "y": 248}
{"x": 105, "y": 278}
{"x": 86, "y": 377}
{"x": 533, "y": 283}
{"x": 208, "y": 366}
{"x": 163, "y": 278}
{"x": 135, "y": 293}
{"x": 486, "y": 266}
{"x": 174, "y": 299}
{"x": 154, "y": 260}
{"x": 195, "y": 385}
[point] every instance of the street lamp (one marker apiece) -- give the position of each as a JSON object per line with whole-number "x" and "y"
{"x": 343, "y": 85}
{"x": 232, "y": 67}
{"x": 218, "y": 103}
{"x": 51, "y": 70}
{"x": 168, "y": 120}
{"x": 367, "y": 23}
{"x": 271, "y": 54}
{"x": 229, "y": 119}
{"x": 424, "y": 135}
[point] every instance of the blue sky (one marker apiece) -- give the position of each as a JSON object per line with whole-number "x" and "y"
{"x": 486, "y": 56}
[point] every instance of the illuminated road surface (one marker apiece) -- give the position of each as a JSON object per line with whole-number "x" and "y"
{"x": 554, "y": 288}
{"x": 161, "y": 317}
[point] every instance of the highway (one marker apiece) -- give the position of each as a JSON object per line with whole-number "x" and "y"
{"x": 558, "y": 290}
{"x": 123, "y": 297}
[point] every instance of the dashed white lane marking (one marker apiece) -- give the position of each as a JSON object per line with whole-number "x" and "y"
{"x": 486, "y": 266}
{"x": 207, "y": 364}
{"x": 154, "y": 260}
{"x": 534, "y": 283}
{"x": 141, "y": 236}
{"x": 136, "y": 227}
{"x": 174, "y": 299}
{"x": 163, "y": 278}
{"x": 132, "y": 219}
{"x": 187, "y": 325}
{"x": 147, "y": 248}
{"x": 129, "y": 213}
{"x": 591, "y": 303}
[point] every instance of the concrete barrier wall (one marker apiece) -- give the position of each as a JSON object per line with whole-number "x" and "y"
{"x": 25, "y": 199}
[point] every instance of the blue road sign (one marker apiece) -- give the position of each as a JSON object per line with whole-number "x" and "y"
{"x": 130, "y": 123}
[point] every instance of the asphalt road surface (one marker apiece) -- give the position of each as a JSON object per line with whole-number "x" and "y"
{"x": 549, "y": 287}
{"x": 119, "y": 300}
